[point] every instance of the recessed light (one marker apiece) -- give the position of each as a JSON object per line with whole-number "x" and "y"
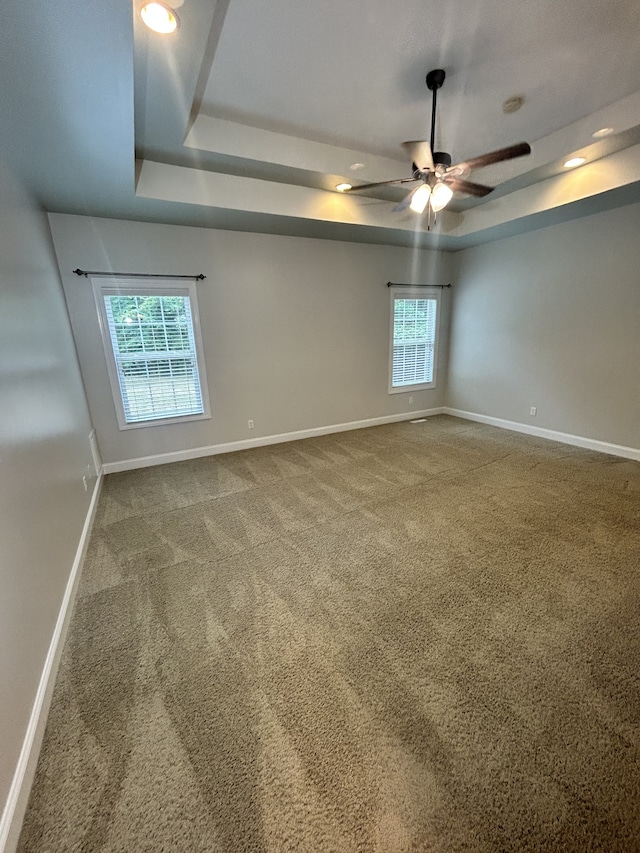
{"x": 604, "y": 131}
{"x": 355, "y": 167}
{"x": 343, "y": 187}
{"x": 574, "y": 161}
{"x": 159, "y": 17}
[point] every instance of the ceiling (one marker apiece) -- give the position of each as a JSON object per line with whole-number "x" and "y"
{"x": 249, "y": 115}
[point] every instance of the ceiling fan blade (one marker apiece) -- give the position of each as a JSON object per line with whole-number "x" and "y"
{"x": 420, "y": 152}
{"x": 469, "y": 187}
{"x": 509, "y": 153}
{"x": 379, "y": 184}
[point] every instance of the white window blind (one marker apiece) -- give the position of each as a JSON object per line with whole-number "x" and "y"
{"x": 154, "y": 353}
{"x": 414, "y": 337}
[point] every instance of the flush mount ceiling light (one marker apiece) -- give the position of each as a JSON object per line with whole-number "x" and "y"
{"x": 342, "y": 188}
{"x": 573, "y": 162}
{"x": 159, "y": 17}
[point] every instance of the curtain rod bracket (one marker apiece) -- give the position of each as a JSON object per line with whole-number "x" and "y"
{"x": 87, "y": 273}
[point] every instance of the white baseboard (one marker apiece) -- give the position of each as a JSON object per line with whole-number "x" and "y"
{"x": 261, "y": 441}
{"x": 15, "y": 807}
{"x": 553, "y": 435}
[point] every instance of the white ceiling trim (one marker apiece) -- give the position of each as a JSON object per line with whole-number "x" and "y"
{"x": 252, "y": 143}
{"x": 231, "y": 138}
{"x": 606, "y": 174}
{"x": 573, "y": 140}
{"x": 211, "y": 189}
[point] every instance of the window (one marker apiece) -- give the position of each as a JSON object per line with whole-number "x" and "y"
{"x": 154, "y": 353}
{"x": 413, "y": 340}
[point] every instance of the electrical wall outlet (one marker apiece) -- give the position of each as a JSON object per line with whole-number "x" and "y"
{"x": 533, "y": 411}
{"x": 250, "y": 424}
{"x": 410, "y": 401}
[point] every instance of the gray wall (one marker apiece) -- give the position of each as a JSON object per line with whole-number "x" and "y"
{"x": 296, "y": 337}
{"x": 552, "y": 319}
{"x": 44, "y": 452}
{"x": 295, "y": 330}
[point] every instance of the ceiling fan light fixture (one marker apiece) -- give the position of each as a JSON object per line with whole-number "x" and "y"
{"x": 159, "y": 17}
{"x": 437, "y": 178}
{"x": 420, "y": 198}
{"x": 342, "y": 188}
{"x": 440, "y": 196}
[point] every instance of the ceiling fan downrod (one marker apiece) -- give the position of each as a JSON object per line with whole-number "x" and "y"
{"x": 435, "y": 79}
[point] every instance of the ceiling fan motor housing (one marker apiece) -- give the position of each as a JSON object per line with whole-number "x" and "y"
{"x": 441, "y": 158}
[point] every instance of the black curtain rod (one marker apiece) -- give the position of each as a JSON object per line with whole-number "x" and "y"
{"x": 87, "y": 273}
{"x": 399, "y": 284}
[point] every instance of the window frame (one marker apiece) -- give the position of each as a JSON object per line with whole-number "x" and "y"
{"x": 123, "y": 286}
{"x": 413, "y": 293}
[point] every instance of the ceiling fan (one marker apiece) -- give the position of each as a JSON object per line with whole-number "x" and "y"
{"x": 437, "y": 178}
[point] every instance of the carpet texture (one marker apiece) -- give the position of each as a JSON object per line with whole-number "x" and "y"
{"x": 416, "y": 637}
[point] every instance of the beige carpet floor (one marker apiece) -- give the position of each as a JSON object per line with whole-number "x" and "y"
{"x": 417, "y": 637}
